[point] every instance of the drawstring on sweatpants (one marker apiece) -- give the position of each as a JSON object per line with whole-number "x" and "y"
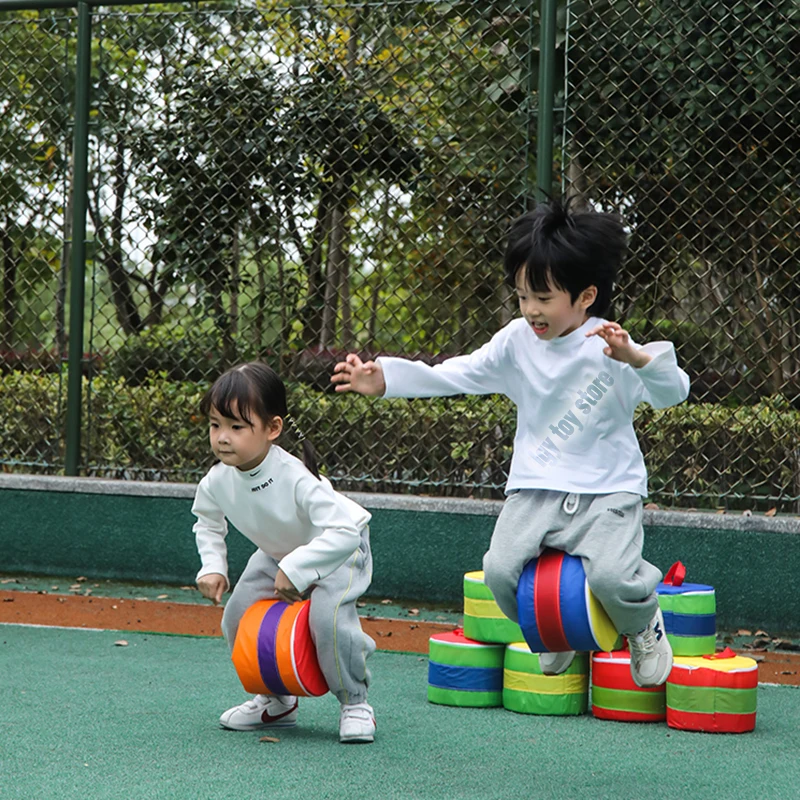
{"x": 571, "y": 502}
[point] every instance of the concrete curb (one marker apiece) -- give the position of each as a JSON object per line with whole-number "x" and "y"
{"x": 396, "y": 502}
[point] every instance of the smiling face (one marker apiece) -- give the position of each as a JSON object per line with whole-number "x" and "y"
{"x": 552, "y": 313}
{"x": 238, "y": 443}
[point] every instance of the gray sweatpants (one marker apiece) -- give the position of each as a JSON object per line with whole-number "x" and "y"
{"x": 605, "y": 530}
{"x": 342, "y": 646}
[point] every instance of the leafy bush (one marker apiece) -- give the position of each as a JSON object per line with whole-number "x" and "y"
{"x": 702, "y": 454}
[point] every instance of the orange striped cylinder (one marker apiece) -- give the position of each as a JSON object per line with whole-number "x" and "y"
{"x": 715, "y": 693}
{"x": 615, "y": 696}
{"x": 274, "y": 653}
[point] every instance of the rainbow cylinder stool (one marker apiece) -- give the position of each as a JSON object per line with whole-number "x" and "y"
{"x": 715, "y": 693}
{"x": 274, "y": 653}
{"x": 528, "y": 691}
{"x": 463, "y": 672}
{"x": 483, "y": 619}
{"x": 690, "y": 613}
{"x": 615, "y": 696}
{"x": 557, "y": 610}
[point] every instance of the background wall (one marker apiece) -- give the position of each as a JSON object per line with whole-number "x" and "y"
{"x": 421, "y": 546}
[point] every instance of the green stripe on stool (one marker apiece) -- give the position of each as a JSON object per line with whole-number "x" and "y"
{"x": 711, "y": 699}
{"x": 555, "y": 704}
{"x": 521, "y": 660}
{"x": 466, "y": 655}
{"x": 692, "y": 645}
{"x": 452, "y": 697}
{"x": 700, "y": 603}
{"x": 629, "y": 700}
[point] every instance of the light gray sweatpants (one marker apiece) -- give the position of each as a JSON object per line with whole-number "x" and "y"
{"x": 342, "y": 646}
{"x": 605, "y": 530}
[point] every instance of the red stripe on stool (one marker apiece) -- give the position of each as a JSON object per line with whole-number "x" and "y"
{"x": 548, "y": 601}
{"x": 712, "y": 723}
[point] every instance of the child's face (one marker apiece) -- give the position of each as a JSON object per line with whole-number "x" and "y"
{"x": 552, "y": 314}
{"x": 238, "y": 443}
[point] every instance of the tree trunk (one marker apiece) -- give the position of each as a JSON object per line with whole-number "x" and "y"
{"x": 9, "y": 308}
{"x": 234, "y": 291}
{"x": 66, "y": 255}
{"x": 124, "y": 301}
{"x": 378, "y": 255}
{"x": 333, "y": 272}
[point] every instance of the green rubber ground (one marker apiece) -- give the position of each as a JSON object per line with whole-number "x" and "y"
{"x": 83, "y": 718}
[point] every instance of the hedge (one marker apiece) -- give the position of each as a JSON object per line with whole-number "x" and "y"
{"x": 699, "y": 455}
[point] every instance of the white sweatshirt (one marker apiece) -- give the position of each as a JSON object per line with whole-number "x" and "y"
{"x": 310, "y": 529}
{"x": 574, "y": 404}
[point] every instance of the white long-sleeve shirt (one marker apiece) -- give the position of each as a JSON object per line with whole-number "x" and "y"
{"x": 284, "y": 510}
{"x": 574, "y": 404}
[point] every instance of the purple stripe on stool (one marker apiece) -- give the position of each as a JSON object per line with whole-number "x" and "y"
{"x": 267, "y": 634}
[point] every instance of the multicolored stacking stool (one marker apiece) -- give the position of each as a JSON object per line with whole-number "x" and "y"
{"x": 690, "y": 611}
{"x": 528, "y": 691}
{"x": 483, "y": 619}
{"x": 274, "y": 653}
{"x": 615, "y": 696}
{"x": 714, "y": 693}
{"x": 557, "y": 610}
{"x": 463, "y": 672}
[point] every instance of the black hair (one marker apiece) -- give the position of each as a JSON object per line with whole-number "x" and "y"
{"x": 256, "y": 390}
{"x": 562, "y": 248}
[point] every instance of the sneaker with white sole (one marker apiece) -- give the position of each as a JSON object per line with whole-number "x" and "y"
{"x": 556, "y": 663}
{"x": 263, "y": 711}
{"x": 651, "y": 654}
{"x": 357, "y": 723}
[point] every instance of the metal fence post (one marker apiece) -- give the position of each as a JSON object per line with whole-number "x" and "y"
{"x": 547, "y": 69}
{"x": 78, "y": 261}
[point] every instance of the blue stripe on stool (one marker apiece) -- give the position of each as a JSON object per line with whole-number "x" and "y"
{"x": 465, "y": 679}
{"x": 690, "y": 624}
{"x": 572, "y": 591}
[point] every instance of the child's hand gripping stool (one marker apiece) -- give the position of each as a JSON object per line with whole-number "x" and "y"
{"x": 311, "y": 541}
{"x": 577, "y": 475}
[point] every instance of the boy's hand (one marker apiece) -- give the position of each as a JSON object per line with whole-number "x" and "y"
{"x": 619, "y": 345}
{"x": 212, "y": 586}
{"x": 355, "y": 375}
{"x": 285, "y": 589}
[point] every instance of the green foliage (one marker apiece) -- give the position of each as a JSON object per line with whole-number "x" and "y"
{"x": 458, "y": 447}
{"x": 190, "y": 352}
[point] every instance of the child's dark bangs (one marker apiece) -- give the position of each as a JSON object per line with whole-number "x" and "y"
{"x": 232, "y": 389}
{"x": 541, "y": 276}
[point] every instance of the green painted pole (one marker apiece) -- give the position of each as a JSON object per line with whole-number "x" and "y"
{"x": 78, "y": 263}
{"x": 547, "y": 73}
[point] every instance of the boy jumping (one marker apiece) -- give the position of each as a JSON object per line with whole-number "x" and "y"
{"x": 577, "y": 475}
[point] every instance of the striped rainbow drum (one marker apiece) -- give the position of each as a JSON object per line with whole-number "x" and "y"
{"x": 690, "y": 613}
{"x": 463, "y": 672}
{"x": 715, "y": 693}
{"x": 557, "y": 610}
{"x": 483, "y": 619}
{"x": 274, "y": 653}
{"x": 527, "y": 690}
{"x": 615, "y": 696}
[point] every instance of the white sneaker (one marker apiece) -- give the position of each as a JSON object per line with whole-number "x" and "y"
{"x": 651, "y": 654}
{"x": 556, "y": 663}
{"x": 357, "y": 723}
{"x": 263, "y": 711}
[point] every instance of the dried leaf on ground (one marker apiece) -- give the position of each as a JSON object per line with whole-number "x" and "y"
{"x": 652, "y": 506}
{"x": 743, "y": 632}
{"x": 385, "y": 602}
{"x": 121, "y": 643}
{"x": 81, "y": 579}
{"x": 412, "y": 612}
{"x": 273, "y": 739}
{"x": 771, "y": 513}
{"x": 162, "y": 596}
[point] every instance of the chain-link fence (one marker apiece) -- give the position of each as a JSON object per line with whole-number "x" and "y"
{"x": 292, "y": 181}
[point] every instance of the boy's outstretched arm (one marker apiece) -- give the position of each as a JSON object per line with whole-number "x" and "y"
{"x": 355, "y": 375}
